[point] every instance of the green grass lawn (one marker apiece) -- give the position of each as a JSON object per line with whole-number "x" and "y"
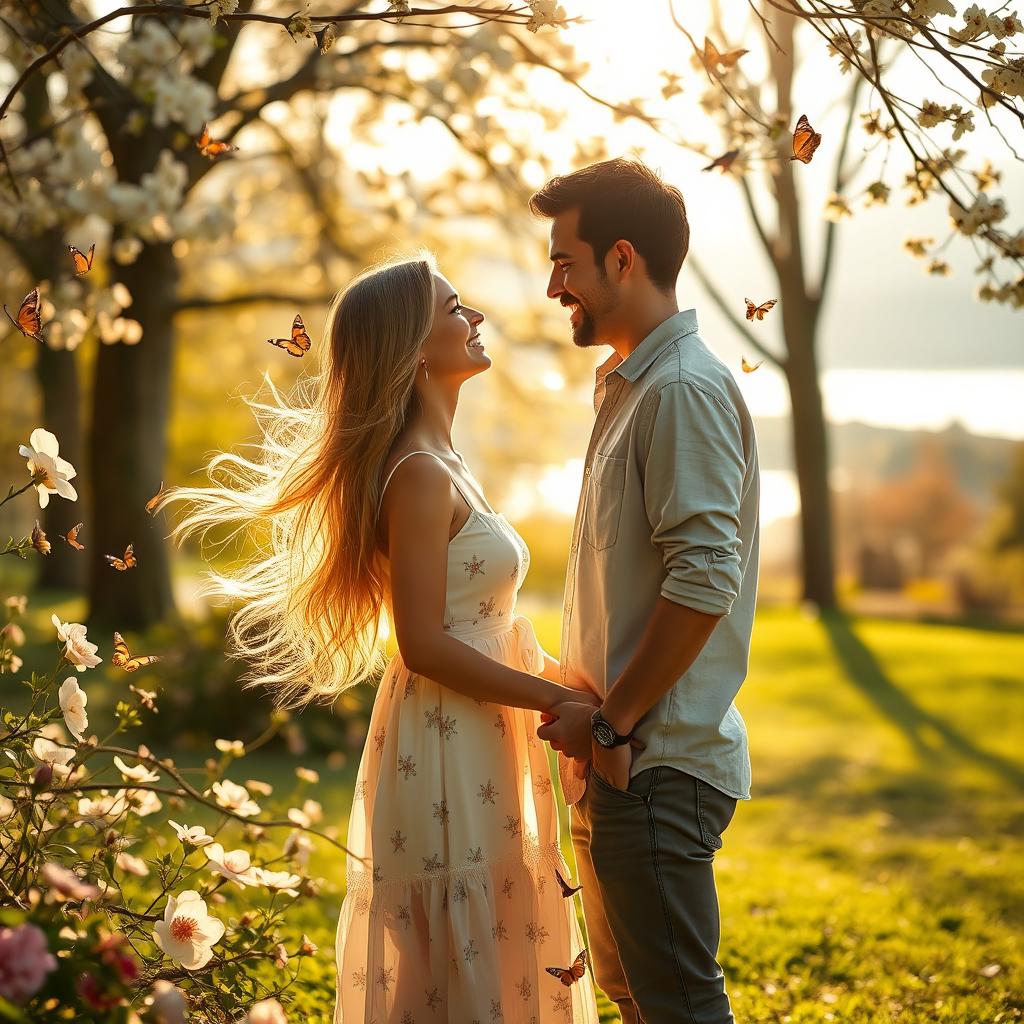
{"x": 876, "y": 876}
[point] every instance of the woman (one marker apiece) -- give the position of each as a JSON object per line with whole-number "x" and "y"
{"x": 454, "y": 910}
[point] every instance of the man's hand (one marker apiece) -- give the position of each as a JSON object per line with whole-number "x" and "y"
{"x": 567, "y": 728}
{"x": 613, "y": 764}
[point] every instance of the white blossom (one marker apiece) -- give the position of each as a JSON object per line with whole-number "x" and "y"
{"x": 283, "y": 881}
{"x": 47, "y": 752}
{"x": 187, "y": 933}
{"x": 232, "y": 864}
{"x": 235, "y": 798}
{"x": 140, "y": 773}
{"x": 195, "y": 835}
{"x": 72, "y": 699}
{"x": 77, "y": 648}
{"x": 53, "y": 471}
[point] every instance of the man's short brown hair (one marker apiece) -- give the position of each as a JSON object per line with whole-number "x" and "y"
{"x": 623, "y": 199}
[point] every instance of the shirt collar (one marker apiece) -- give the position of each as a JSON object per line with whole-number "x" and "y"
{"x": 636, "y": 363}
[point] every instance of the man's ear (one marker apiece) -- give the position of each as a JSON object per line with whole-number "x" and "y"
{"x": 625, "y": 257}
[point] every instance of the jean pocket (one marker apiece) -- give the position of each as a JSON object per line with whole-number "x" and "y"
{"x": 604, "y": 501}
{"x": 714, "y": 812}
{"x": 604, "y": 786}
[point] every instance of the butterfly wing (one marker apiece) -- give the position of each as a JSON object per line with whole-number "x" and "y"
{"x": 567, "y": 889}
{"x": 215, "y": 149}
{"x": 39, "y": 541}
{"x": 561, "y": 973}
{"x": 568, "y": 975}
{"x": 299, "y": 336}
{"x": 29, "y": 321}
{"x": 120, "y": 657}
{"x": 764, "y": 308}
{"x": 204, "y": 138}
{"x": 122, "y": 564}
{"x": 579, "y": 965}
{"x": 72, "y": 537}
{"x": 151, "y": 504}
{"x": 805, "y": 140}
{"x": 287, "y": 344}
{"x": 83, "y": 263}
{"x": 751, "y": 308}
{"x": 749, "y": 367}
{"x": 140, "y": 661}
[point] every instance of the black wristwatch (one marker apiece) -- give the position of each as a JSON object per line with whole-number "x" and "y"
{"x": 604, "y": 733}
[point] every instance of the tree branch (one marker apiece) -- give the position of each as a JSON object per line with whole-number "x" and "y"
{"x": 817, "y": 296}
{"x": 726, "y": 310}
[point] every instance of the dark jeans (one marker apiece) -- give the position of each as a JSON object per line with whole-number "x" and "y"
{"x": 644, "y": 857}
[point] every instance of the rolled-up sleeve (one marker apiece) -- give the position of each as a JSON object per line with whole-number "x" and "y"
{"x": 693, "y": 468}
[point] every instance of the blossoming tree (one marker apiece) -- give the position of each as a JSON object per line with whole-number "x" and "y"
{"x": 757, "y": 144}
{"x": 98, "y": 135}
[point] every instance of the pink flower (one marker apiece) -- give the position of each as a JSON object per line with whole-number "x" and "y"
{"x": 25, "y": 960}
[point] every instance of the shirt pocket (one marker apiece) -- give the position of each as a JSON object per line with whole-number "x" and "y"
{"x": 604, "y": 501}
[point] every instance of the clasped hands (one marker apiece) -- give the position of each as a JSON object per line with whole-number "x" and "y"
{"x": 567, "y": 729}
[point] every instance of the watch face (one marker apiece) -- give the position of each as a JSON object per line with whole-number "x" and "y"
{"x": 604, "y": 734}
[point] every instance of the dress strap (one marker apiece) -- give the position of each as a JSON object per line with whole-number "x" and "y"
{"x": 409, "y": 455}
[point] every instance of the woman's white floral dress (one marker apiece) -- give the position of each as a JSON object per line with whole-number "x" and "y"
{"x": 457, "y": 912}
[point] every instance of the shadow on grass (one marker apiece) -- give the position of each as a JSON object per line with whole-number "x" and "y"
{"x": 917, "y": 724}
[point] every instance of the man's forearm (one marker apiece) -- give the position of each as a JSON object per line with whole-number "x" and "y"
{"x": 675, "y": 635}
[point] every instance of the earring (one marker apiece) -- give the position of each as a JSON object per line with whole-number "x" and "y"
{"x": 423, "y": 363}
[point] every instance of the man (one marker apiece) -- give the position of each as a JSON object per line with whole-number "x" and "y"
{"x": 659, "y": 599}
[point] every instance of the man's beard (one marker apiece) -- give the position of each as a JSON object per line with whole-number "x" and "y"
{"x": 585, "y": 335}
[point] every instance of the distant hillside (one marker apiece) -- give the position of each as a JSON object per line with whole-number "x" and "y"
{"x": 981, "y": 463}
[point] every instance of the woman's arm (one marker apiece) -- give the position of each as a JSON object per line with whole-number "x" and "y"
{"x": 419, "y": 505}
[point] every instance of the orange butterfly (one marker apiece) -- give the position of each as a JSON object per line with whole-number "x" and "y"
{"x": 210, "y": 147}
{"x": 122, "y": 659}
{"x": 71, "y": 537}
{"x": 711, "y": 56}
{"x": 749, "y": 367}
{"x": 805, "y": 140}
{"x": 39, "y": 541}
{"x": 725, "y": 161}
{"x": 568, "y": 975}
{"x": 29, "y": 322}
{"x": 758, "y": 311}
{"x": 298, "y": 344}
{"x": 83, "y": 263}
{"x": 567, "y": 889}
{"x": 151, "y": 504}
{"x": 121, "y": 564}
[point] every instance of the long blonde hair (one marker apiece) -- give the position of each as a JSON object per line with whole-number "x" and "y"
{"x": 307, "y": 503}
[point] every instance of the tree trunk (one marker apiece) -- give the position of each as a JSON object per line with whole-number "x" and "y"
{"x": 800, "y": 313}
{"x": 45, "y": 257}
{"x": 57, "y": 377}
{"x": 810, "y": 456}
{"x": 127, "y": 451}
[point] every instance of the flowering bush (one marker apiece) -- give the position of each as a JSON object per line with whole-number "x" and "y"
{"x": 109, "y": 911}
